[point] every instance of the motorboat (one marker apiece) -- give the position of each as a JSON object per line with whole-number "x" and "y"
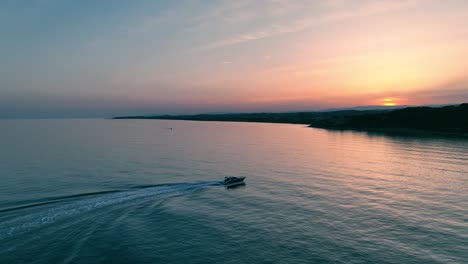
{"x": 232, "y": 181}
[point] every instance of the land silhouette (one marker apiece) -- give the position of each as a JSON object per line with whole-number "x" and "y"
{"x": 452, "y": 119}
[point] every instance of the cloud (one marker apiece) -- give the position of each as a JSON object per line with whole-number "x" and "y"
{"x": 450, "y": 93}
{"x": 371, "y": 8}
{"x": 231, "y": 12}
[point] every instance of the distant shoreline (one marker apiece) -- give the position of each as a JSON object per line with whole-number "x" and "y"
{"x": 445, "y": 121}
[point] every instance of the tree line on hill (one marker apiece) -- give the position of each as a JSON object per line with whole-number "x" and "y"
{"x": 448, "y": 118}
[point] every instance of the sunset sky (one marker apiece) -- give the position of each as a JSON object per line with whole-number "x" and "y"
{"x": 103, "y": 58}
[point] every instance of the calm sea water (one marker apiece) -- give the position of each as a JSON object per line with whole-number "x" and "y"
{"x": 133, "y": 191}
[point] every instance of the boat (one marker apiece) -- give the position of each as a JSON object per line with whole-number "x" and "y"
{"x": 232, "y": 181}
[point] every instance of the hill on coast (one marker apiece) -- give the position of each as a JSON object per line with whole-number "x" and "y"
{"x": 452, "y": 118}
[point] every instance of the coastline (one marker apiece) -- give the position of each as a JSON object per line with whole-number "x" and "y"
{"x": 416, "y": 121}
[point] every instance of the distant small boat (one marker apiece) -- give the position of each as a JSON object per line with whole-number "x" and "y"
{"x": 232, "y": 181}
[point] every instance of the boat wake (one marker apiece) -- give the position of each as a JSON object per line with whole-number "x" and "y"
{"x": 48, "y": 213}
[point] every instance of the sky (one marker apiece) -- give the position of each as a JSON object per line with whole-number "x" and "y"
{"x": 88, "y": 58}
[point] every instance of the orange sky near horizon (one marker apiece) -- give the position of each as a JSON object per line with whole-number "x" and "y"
{"x": 268, "y": 55}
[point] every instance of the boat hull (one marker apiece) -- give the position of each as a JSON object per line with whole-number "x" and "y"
{"x": 230, "y": 181}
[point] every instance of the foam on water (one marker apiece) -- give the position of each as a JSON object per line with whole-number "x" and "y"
{"x": 65, "y": 209}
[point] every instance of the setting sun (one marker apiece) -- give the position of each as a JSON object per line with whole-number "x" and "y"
{"x": 389, "y": 102}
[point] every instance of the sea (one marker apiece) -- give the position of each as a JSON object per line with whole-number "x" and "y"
{"x": 149, "y": 191}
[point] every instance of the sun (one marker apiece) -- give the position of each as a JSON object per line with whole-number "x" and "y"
{"x": 389, "y": 102}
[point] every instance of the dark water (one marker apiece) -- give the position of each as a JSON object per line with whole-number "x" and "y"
{"x": 133, "y": 191}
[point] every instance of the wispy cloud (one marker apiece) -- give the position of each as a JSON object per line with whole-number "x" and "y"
{"x": 231, "y": 12}
{"x": 315, "y": 67}
{"x": 368, "y": 9}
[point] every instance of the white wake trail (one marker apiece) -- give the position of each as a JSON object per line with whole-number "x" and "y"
{"x": 26, "y": 223}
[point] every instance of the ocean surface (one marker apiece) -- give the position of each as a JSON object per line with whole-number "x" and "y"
{"x": 134, "y": 191}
